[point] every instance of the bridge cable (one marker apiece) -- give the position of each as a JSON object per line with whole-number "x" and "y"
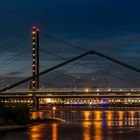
{"x": 21, "y": 55}
{"x": 46, "y": 71}
{"x": 130, "y": 79}
{"x": 105, "y": 73}
{"x": 60, "y": 74}
{"x": 22, "y": 70}
{"x": 14, "y": 43}
{"x": 97, "y": 53}
{"x": 63, "y": 42}
{"x": 16, "y": 50}
{"x": 69, "y": 61}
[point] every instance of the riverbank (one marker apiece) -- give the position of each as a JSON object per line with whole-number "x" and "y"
{"x": 33, "y": 123}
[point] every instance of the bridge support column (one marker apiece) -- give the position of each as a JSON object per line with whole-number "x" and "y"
{"x": 35, "y": 65}
{"x": 35, "y": 58}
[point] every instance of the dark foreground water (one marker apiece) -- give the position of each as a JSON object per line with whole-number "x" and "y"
{"x": 82, "y": 125}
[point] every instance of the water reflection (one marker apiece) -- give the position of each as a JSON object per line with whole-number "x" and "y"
{"x": 112, "y": 118}
{"x": 86, "y": 130}
{"x": 38, "y": 114}
{"x": 120, "y": 118}
{"x": 43, "y": 131}
{"x": 132, "y": 119}
{"x": 35, "y": 132}
{"x": 98, "y": 115}
{"x": 86, "y": 125}
{"x": 87, "y": 115}
{"x": 54, "y": 131}
{"x": 98, "y": 130}
{"x": 83, "y": 125}
{"x": 109, "y": 118}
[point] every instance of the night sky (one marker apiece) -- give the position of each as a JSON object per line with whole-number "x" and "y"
{"x": 107, "y": 26}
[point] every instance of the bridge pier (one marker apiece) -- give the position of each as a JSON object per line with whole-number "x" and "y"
{"x": 35, "y": 103}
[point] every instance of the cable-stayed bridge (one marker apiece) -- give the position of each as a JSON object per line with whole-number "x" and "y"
{"x": 79, "y": 83}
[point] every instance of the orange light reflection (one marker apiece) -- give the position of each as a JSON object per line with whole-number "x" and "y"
{"x": 120, "y": 117}
{"x": 86, "y": 130}
{"x": 97, "y": 130}
{"x": 54, "y": 131}
{"x": 109, "y": 117}
{"x": 97, "y": 115}
{"x": 35, "y": 115}
{"x": 132, "y": 114}
{"x": 87, "y": 115}
{"x": 36, "y": 132}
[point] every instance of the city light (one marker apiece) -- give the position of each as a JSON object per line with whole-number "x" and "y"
{"x": 38, "y": 30}
{"x": 54, "y": 108}
{"x": 48, "y": 100}
{"x": 109, "y": 89}
{"x": 33, "y": 32}
{"x": 86, "y": 90}
{"x": 97, "y": 90}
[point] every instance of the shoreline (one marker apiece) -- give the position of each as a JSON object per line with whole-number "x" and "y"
{"x": 36, "y": 122}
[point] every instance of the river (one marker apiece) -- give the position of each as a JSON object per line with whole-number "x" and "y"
{"x": 82, "y": 125}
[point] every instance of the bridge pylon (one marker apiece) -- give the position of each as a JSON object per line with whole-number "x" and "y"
{"x": 35, "y": 64}
{"x": 35, "y": 58}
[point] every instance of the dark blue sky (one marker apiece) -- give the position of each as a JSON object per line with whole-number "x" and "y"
{"x": 86, "y": 21}
{"x": 111, "y": 27}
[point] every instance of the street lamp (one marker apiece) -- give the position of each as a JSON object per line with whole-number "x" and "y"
{"x": 86, "y": 90}
{"x": 53, "y": 112}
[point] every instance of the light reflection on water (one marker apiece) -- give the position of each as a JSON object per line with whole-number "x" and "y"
{"x": 36, "y": 132}
{"x": 83, "y": 125}
{"x": 95, "y": 123}
{"x": 54, "y": 131}
{"x": 112, "y": 118}
{"x": 86, "y": 130}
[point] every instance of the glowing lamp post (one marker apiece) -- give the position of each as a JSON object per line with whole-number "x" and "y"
{"x": 53, "y": 112}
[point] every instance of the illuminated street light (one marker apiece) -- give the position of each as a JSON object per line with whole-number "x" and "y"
{"x": 86, "y": 90}
{"x": 97, "y": 90}
{"x": 53, "y": 112}
{"x": 54, "y": 108}
{"x": 109, "y": 89}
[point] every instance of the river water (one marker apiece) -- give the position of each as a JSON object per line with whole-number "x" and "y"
{"x": 82, "y": 125}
